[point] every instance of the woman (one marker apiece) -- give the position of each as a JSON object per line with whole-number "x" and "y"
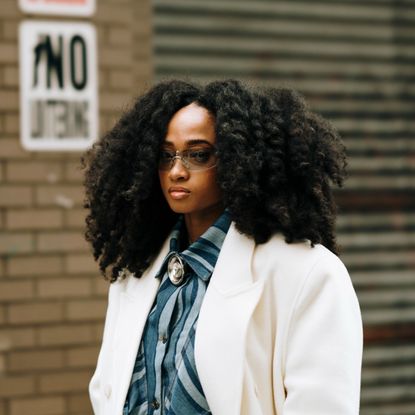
{"x": 212, "y": 215}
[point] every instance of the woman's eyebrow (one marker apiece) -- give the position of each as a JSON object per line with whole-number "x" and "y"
{"x": 191, "y": 142}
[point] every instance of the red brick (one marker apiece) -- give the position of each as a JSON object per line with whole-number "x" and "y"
{"x": 3, "y": 316}
{"x": 63, "y": 196}
{"x": 78, "y": 264}
{"x": 10, "y": 148}
{"x": 8, "y": 54}
{"x": 74, "y": 172}
{"x": 10, "y": 30}
{"x": 143, "y": 13}
{"x": 12, "y": 123}
{"x": 99, "y": 331}
{"x": 34, "y": 219}
{"x": 15, "y": 196}
{"x": 14, "y": 338}
{"x": 61, "y": 242}
{"x": 120, "y": 36}
{"x": 120, "y": 79}
{"x": 143, "y": 32}
{"x": 103, "y": 78}
{"x": 101, "y": 31}
{"x": 66, "y": 335}
{"x": 101, "y": 286}
{"x": 33, "y": 171}
{"x": 144, "y": 68}
{"x": 16, "y": 385}
{"x": 143, "y": 54}
{"x": 16, "y": 243}
{"x": 83, "y": 356}
{"x": 86, "y": 310}
{"x": 113, "y": 14}
{"x": 65, "y": 381}
{"x": 108, "y": 119}
{"x": 35, "y": 360}
{"x": 79, "y": 404}
{"x": 8, "y": 100}
{"x": 45, "y": 312}
{"x": 48, "y": 405}
{"x": 111, "y": 100}
{"x": 11, "y": 76}
{"x": 9, "y": 8}
{"x": 3, "y": 366}
{"x": 58, "y": 156}
{"x": 2, "y": 267}
{"x": 34, "y": 266}
{"x": 16, "y": 290}
{"x": 75, "y": 218}
{"x": 116, "y": 58}
{"x": 64, "y": 287}
{"x": 140, "y": 83}
{"x": 2, "y": 363}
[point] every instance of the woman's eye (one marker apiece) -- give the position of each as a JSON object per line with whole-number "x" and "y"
{"x": 200, "y": 156}
{"x": 166, "y": 155}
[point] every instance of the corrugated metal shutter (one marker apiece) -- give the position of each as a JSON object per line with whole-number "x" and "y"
{"x": 355, "y": 63}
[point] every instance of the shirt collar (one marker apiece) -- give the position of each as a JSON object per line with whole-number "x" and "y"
{"x": 202, "y": 254}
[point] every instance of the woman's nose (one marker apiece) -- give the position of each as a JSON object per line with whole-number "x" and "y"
{"x": 178, "y": 170}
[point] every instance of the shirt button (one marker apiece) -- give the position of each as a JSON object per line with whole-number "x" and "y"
{"x": 163, "y": 339}
{"x": 155, "y": 404}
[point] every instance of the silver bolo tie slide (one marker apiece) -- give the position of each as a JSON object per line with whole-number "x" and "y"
{"x": 175, "y": 269}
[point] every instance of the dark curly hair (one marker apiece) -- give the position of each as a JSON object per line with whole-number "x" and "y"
{"x": 276, "y": 161}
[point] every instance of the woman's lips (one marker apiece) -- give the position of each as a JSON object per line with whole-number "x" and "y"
{"x": 179, "y": 193}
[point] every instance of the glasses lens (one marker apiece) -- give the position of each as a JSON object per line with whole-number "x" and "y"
{"x": 199, "y": 159}
{"x": 165, "y": 159}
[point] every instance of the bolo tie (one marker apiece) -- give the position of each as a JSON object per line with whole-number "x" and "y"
{"x": 175, "y": 269}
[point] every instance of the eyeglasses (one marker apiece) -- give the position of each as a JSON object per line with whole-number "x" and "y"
{"x": 201, "y": 159}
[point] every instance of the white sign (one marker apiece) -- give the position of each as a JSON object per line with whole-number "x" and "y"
{"x": 61, "y": 7}
{"x": 58, "y": 81}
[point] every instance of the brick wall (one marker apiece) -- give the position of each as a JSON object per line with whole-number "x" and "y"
{"x": 52, "y": 301}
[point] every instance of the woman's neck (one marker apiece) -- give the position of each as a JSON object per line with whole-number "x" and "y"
{"x": 198, "y": 222}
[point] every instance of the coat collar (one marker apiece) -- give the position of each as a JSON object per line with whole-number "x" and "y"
{"x": 233, "y": 270}
{"x": 201, "y": 256}
{"x": 136, "y": 288}
{"x": 226, "y": 311}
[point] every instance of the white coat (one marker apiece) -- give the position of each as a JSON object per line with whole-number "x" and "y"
{"x": 279, "y": 332}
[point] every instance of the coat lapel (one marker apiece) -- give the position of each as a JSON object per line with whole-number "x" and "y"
{"x": 229, "y": 302}
{"x": 137, "y": 297}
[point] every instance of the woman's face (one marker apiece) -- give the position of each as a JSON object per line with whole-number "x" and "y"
{"x": 186, "y": 190}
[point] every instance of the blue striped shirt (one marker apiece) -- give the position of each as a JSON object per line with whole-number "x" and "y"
{"x": 165, "y": 380}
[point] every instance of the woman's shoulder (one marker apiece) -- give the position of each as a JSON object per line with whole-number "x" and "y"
{"x": 296, "y": 262}
{"x": 301, "y": 254}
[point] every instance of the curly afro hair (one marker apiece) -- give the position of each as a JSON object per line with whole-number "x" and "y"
{"x": 276, "y": 163}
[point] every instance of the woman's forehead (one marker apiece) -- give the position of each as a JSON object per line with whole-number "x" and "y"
{"x": 190, "y": 124}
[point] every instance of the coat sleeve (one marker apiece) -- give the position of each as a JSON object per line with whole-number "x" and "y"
{"x": 323, "y": 350}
